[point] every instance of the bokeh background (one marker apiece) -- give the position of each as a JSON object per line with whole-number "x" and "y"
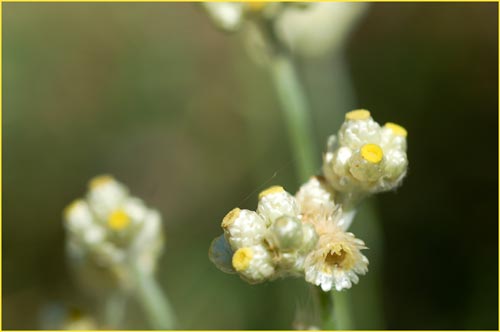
{"x": 154, "y": 95}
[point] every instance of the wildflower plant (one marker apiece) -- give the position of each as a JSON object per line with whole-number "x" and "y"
{"x": 111, "y": 230}
{"x": 362, "y": 159}
{"x": 306, "y": 234}
{"x": 113, "y": 243}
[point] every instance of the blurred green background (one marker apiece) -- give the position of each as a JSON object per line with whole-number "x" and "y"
{"x": 156, "y": 96}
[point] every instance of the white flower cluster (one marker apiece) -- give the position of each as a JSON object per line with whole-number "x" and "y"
{"x": 110, "y": 229}
{"x": 306, "y": 234}
{"x": 310, "y": 28}
{"x": 366, "y": 157}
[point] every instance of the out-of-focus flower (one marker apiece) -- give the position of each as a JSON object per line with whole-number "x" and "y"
{"x": 364, "y": 157}
{"x": 109, "y": 230}
{"x": 55, "y": 316}
{"x": 230, "y": 16}
{"x": 309, "y": 29}
{"x": 319, "y": 27}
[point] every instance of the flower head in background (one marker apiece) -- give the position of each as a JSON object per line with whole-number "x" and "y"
{"x": 230, "y": 16}
{"x": 309, "y": 29}
{"x": 318, "y": 28}
{"x": 56, "y": 316}
{"x": 109, "y": 229}
{"x": 365, "y": 157}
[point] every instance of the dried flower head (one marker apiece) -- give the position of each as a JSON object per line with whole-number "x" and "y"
{"x": 291, "y": 236}
{"x": 265, "y": 244}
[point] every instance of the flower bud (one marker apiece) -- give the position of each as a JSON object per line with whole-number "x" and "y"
{"x": 275, "y": 202}
{"x": 287, "y": 233}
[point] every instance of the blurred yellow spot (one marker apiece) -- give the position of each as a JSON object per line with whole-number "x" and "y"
{"x": 71, "y": 207}
{"x": 75, "y": 314}
{"x": 100, "y": 180}
{"x": 396, "y": 129}
{"x": 372, "y": 153}
{"x": 230, "y": 217}
{"x": 357, "y": 115}
{"x": 271, "y": 190}
{"x": 256, "y": 6}
{"x": 118, "y": 220}
{"x": 242, "y": 258}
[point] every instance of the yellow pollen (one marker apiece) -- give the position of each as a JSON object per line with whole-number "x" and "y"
{"x": 230, "y": 217}
{"x": 242, "y": 258}
{"x": 69, "y": 209}
{"x": 396, "y": 129}
{"x": 357, "y": 115}
{"x": 271, "y": 190}
{"x": 100, "y": 180}
{"x": 339, "y": 256}
{"x": 256, "y": 6}
{"x": 118, "y": 220}
{"x": 335, "y": 258}
{"x": 372, "y": 153}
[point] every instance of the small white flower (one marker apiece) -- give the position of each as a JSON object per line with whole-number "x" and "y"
{"x": 230, "y": 16}
{"x": 315, "y": 196}
{"x": 276, "y": 202}
{"x": 336, "y": 261}
{"x": 319, "y": 27}
{"x": 104, "y": 194}
{"x": 243, "y": 228}
{"x": 111, "y": 229}
{"x": 365, "y": 158}
{"x": 266, "y": 244}
{"x": 253, "y": 263}
{"x": 226, "y": 15}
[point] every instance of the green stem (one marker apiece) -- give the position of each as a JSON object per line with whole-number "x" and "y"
{"x": 115, "y": 308}
{"x": 334, "y": 309}
{"x": 297, "y": 114}
{"x": 342, "y": 319}
{"x": 153, "y": 300}
{"x": 325, "y": 300}
{"x": 335, "y": 306}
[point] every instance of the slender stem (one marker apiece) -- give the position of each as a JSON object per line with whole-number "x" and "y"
{"x": 297, "y": 114}
{"x": 326, "y": 308}
{"x": 115, "y": 308}
{"x": 341, "y": 314}
{"x": 335, "y": 306}
{"x": 153, "y": 300}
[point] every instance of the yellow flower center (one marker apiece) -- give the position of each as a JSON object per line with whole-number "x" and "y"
{"x": 396, "y": 129}
{"x": 99, "y": 181}
{"x": 71, "y": 207}
{"x": 339, "y": 256}
{"x": 372, "y": 153}
{"x": 357, "y": 115}
{"x": 230, "y": 217}
{"x": 271, "y": 190}
{"x": 118, "y": 220}
{"x": 242, "y": 258}
{"x": 335, "y": 258}
{"x": 256, "y": 6}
